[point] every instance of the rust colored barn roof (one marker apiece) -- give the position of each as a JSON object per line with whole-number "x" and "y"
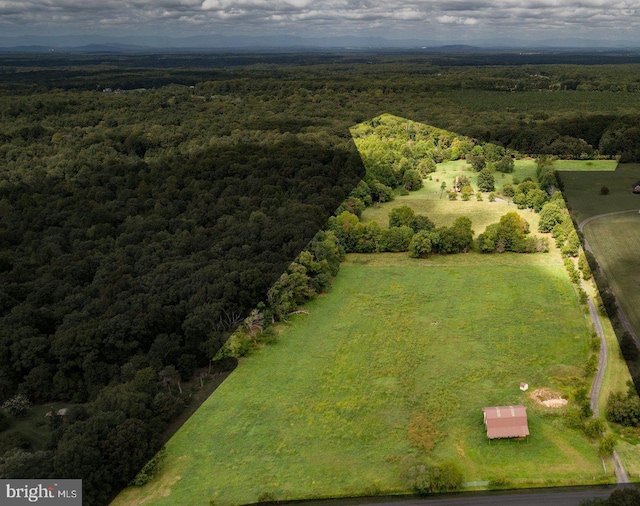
{"x": 506, "y": 421}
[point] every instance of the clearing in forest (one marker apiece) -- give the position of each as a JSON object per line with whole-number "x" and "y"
{"x": 390, "y": 370}
{"x": 328, "y": 411}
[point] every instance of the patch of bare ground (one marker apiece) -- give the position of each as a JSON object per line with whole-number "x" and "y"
{"x": 548, "y": 398}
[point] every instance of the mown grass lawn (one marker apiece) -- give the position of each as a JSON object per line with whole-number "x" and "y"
{"x": 326, "y": 411}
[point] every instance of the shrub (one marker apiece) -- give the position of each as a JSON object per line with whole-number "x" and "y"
{"x": 266, "y": 497}
{"x": 573, "y": 419}
{"x": 508, "y": 190}
{"x": 592, "y": 365}
{"x": 447, "y": 476}
{"x": 268, "y": 336}
{"x": 595, "y": 427}
{"x": 150, "y": 469}
{"x": 607, "y": 445}
{"x": 500, "y": 481}
{"x": 18, "y": 405}
{"x": 604, "y": 190}
{"x": 582, "y": 296}
{"x": 443, "y": 478}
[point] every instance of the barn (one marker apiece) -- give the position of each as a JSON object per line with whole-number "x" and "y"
{"x": 506, "y": 422}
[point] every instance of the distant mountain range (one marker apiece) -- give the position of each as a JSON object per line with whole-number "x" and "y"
{"x": 123, "y": 44}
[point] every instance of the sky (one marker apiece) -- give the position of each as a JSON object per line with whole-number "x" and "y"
{"x": 450, "y": 21}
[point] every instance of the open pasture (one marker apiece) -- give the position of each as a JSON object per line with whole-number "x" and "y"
{"x": 444, "y": 212}
{"x": 585, "y": 165}
{"x": 326, "y": 411}
{"x": 447, "y": 172}
{"x": 615, "y": 241}
{"x": 582, "y": 191}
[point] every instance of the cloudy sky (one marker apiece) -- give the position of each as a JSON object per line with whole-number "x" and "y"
{"x": 446, "y": 20}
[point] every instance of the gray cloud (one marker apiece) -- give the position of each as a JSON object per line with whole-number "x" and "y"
{"x": 409, "y": 18}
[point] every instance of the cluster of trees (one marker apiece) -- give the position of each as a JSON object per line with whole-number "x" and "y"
{"x": 398, "y": 152}
{"x": 407, "y": 232}
{"x": 511, "y": 233}
{"x": 458, "y": 238}
{"x": 624, "y": 407}
{"x": 627, "y": 496}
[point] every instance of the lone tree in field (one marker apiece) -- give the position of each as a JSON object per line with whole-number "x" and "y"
{"x": 486, "y": 181}
{"x": 604, "y": 190}
{"x": 505, "y": 164}
{"x": 478, "y": 162}
{"x": 461, "y": 182}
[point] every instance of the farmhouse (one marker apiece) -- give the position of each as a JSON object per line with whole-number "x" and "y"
{"x": 506, "y": 421}
{"x": 635, "y": 187}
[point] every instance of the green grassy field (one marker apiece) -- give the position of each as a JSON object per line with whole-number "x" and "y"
{"x": 400, "y": 343}
{"x": 325, "y": 412}
{"x": 585, "y": 165}
{"x": 447, "y": 172}
{"x": 582, "y": 191}
{"x": 615, "y": 241}
{"x": 430, "y": 201}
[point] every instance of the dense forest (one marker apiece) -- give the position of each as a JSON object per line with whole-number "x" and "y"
{"x": 149, "y": 204}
